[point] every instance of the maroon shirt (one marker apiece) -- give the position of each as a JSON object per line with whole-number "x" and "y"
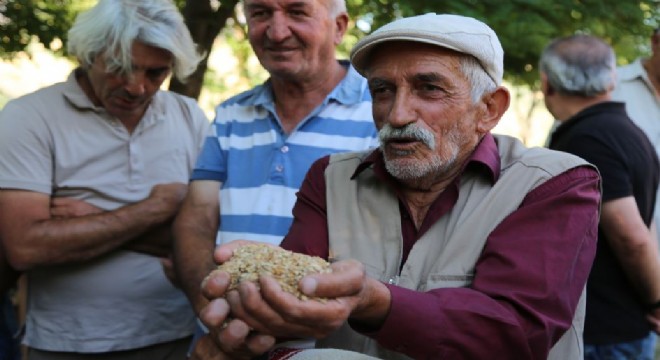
{"x": 527, "y": 281}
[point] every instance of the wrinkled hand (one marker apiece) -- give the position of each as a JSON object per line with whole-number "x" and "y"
{"x": 233, "y": 341}
{"x": 654, "y": 319}
{"x": 267, "y": 309}
{"x": 66, "y": 207}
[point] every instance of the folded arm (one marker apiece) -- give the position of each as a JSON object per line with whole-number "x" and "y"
{"x": 32, "y": 236}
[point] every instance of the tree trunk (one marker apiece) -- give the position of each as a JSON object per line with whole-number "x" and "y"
{"x": 204, "y": 24}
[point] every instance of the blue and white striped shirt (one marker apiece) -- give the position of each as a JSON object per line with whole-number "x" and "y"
{"x": 261, "y": 167}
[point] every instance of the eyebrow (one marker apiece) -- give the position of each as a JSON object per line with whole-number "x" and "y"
{"x": 430, "y": 77}
{"x": 421, "y": 77}
{"x": 374, "y": 82}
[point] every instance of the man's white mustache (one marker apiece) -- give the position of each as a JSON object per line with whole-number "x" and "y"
{"x": 410, "y": 131}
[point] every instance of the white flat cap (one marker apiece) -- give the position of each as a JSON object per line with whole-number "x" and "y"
{"x": 455, "y": 32}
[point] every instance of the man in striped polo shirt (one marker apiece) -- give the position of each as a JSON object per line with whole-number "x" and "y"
{"x": 264, "y": 140}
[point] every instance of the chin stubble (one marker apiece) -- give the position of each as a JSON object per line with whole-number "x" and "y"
{"x": 415, "y": 170}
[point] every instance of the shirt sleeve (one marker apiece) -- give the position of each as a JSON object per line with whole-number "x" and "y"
{"x": 612, "y": 163}
{"x": 527, "y": 282}
{"x": 211, "y": 163}
{"x": 203, "y": 126}
{"x": 25, "y": 149}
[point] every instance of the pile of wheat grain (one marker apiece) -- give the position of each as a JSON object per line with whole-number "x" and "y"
{"x": 250, "y": 261}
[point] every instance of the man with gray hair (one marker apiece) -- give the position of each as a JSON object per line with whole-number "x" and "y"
{"x": 578, "y": 74}
{"x": 447, "y": 242}
{"x": 92, "y": 172}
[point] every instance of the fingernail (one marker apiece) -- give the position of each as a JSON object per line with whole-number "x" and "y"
{"x": 203, "y": 284}
{"x": 238, "y": 329}
{"x": 308, "y": 286}
{"x": 266, "y": 340}
{"x": 221, "y": 280}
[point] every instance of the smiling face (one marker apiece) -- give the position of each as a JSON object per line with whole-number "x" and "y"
{"x": 294, "y": 38}
{"x": 127, "y": 96}
{"x": 428, "y": 125}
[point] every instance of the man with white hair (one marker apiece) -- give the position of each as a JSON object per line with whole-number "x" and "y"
{"x": 447, "y": 242}
{"x": 92, "y": 172}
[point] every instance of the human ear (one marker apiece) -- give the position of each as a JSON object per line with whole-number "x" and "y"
{"x": 496, "y": 103}
{"x": 546, "y": 88}
{"x": 341, "y": 22}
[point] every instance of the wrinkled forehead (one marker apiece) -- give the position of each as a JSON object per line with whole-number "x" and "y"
{"x": 410, "y": 54}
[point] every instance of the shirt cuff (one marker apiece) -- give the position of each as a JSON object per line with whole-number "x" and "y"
{"x": 390, "y": 333}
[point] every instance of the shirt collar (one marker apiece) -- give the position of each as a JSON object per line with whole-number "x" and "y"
{"x": 485, "y": 156}
{"x": 611, "y": 107}
{"x": 634, "y": 70}
{"x": 350, "y": 90}
{"x": 75, "y": 94}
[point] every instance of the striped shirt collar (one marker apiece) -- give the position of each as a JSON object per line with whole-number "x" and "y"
{"x": 349, "y": 91}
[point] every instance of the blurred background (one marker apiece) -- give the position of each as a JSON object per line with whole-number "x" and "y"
{"x": 33, "y": 37}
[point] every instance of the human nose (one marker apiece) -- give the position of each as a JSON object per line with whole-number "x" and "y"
{"x": 402, "y": 110}
{"x": 278, "y": 28}
{"x": 135, "y": 84}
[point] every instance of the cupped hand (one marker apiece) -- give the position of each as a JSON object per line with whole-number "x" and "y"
{"x": 229, "y": 338}
{"x": 268, "y": 309}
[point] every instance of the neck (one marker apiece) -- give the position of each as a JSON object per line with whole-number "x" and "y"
{"x": 568, "y": 106}
{"x": 295, "y": 99}
{"x": 419, "y": 194}
{"x": 86, "y": 86}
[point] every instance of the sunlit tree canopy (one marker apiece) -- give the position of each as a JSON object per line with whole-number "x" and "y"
{"x": 524, "y": 26}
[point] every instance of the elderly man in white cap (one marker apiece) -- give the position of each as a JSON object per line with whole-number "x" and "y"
{"x": 447, "y": 242}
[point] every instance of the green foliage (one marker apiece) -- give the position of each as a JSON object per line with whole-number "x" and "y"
{"x": 524, "y": 26}
{"x": 236, "y": 37}
{"x": 47, "y": 21}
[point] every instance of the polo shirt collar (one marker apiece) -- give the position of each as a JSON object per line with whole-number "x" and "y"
{"x": 633, "y": 71}
{"x": 610, "y": 107}
{"x": 350, "y": 90}
{"x": 75, "y": 94}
